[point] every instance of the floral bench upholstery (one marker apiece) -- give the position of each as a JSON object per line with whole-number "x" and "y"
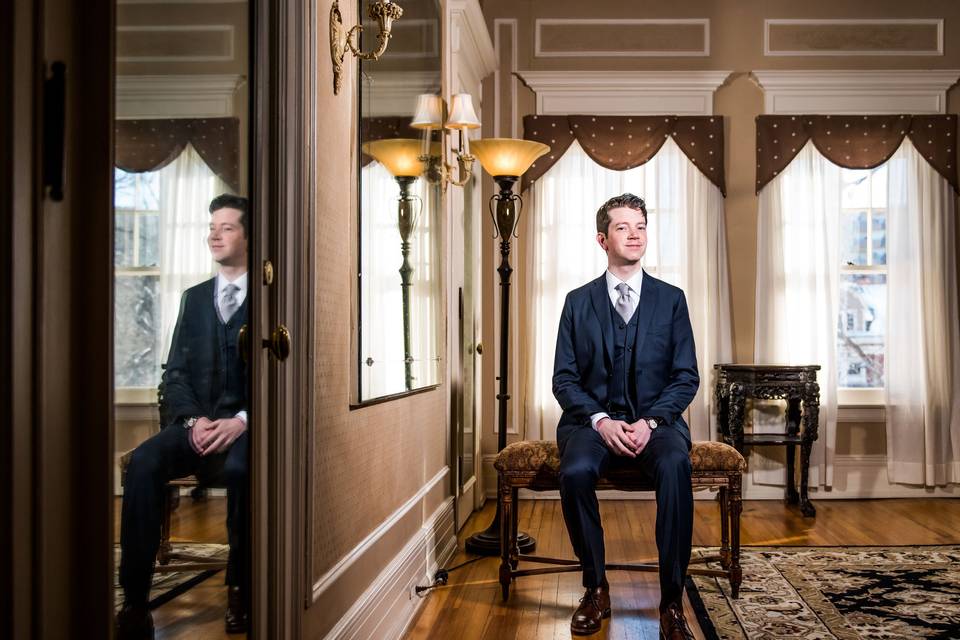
{"x": 535, "y": 465}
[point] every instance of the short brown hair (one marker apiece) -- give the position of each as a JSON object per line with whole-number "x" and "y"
{"x": 627, "y": 200}
{"x": 230, "y": 201}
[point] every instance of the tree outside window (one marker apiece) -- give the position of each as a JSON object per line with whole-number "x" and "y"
{"x": 861, "y": 326}
{"x": 137, "y": 278}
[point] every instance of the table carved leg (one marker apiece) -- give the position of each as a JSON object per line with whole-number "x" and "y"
{"x": 793, "y": 428}
{"x": 811, "y": 421}
{"x": 737, "y": 403}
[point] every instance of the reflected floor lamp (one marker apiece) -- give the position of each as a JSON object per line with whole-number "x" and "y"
{"x": 506, "y": 159}
{"x": 401, "y": 157}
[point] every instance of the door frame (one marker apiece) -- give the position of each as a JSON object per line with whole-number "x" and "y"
{"x": 283, "y": 189}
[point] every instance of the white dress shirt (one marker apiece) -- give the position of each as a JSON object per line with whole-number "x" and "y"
{"x": 635, "y": 282}
{"x": 219, "y": 285}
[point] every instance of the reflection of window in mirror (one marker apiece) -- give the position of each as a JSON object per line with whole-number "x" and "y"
{"x": 180, "y": 142}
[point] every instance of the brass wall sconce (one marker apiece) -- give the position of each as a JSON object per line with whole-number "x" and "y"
{"x": 383, "y": 11}
{"x": 462, "y": 118}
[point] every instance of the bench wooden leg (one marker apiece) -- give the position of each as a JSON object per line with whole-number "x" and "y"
{"x": 171, "y": 495}
{"x": 736, "y": 508}
{"x": 514, "y": 529}
{"x": 508, "y": 536}
{"x": 723, "y": 497}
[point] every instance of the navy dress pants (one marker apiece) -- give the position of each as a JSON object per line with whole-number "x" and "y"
{"x": 665, "y": 461}
{"x": 166, "y": 456}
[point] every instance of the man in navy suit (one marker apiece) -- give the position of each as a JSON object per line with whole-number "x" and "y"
{"x": 624, "y": 372}
{"x": 205, "y": 408}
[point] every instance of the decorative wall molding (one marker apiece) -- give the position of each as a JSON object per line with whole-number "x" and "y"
{"x": 540, "y": 23}
{"x": 198, "y": 31}
{"x": 176, "y": 96}
{"x": 935, "y": 50}
{"x": 331, "y": 576}
{"x": 856, "y": 92}
{"x": 624, "y": 92}
{"x": 394, "y": 93}
{"x": 389, "y": 604}
{"x": 429, "y": 27}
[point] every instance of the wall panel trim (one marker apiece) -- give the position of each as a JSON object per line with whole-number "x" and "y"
{"x": 331, "y": 576}
{"x": 704, "y": 51}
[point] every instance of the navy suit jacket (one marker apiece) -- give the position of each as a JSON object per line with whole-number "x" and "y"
{"x": 665, "y": 358}
{"x": 204, "y": 375}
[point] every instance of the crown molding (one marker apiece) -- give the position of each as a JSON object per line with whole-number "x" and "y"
{"x": 856, "y": 91}
{"x": 624, "y": 93}
{"x": 177, "y": 96}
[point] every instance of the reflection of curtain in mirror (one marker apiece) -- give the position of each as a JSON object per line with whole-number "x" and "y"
{"x": 187, "y": 186}
{"x": 686, "y": 247}
{"x": 381, "y": 304}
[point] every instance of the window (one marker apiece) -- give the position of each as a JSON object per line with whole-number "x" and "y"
{"x": 137, "y": 279}
{"x": 861, "y": 327}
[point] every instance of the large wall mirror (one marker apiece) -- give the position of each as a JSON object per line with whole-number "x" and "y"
{"x": 399, "y": 227}
{"x": 181, "y": 223}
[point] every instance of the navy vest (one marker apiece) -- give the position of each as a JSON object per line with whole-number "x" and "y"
{"x": 621, "y": 401}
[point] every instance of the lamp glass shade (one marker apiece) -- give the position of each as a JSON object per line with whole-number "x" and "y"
{"x": 507, "y": 156}
{"x": 462, "y": 114}
{"x": 429, "y": 113}
{"x": 401, "y": 156}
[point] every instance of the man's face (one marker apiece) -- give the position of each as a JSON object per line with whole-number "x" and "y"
{"x": 626, "y": 239}
{"x": 227, "y": 241}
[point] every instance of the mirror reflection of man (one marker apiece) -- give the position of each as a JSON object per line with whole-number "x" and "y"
{"x": 624, "y": 372}
{"x": 204, "y": 403}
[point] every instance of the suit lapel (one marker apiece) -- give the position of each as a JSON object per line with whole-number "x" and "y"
{"x": 648, "y": 303}
{"x": 601, "y": 306}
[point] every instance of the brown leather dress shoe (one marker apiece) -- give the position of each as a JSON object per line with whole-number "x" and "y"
{"x": 673, "y": 625}
{"x": 594, "y": 607}
{"x": 134, "y": 622}
{"x": 236, "y": 618}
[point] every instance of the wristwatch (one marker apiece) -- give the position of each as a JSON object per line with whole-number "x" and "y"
{"x": 189, "y": 422}
{"x": 654, "y": 422}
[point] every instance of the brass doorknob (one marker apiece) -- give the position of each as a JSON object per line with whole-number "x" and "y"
{"x": 279, "y": 343}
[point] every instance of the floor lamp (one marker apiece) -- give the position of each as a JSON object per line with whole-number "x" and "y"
{"x": 401, "y": 157}
{"x": 506, "y": 159}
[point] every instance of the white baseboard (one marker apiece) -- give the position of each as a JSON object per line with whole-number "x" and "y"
{"x": 855, "y": 477}
{"x": 387, "y": 607}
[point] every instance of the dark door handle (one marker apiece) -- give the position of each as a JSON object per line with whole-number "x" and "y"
{"x": 54, "y": 130}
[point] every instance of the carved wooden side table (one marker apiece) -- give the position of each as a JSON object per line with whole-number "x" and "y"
{"x": 795, "y": 384}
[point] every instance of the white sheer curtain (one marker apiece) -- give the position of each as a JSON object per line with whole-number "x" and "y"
{"x": 187, "y": 186}
{"x": 687, "y": 247}
{"x": 923, "y": 344}
{"x": 798, "y": 283}
{"x": 381, "y": 302}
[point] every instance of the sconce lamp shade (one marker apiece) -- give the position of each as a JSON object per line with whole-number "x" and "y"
{"x": 429, "y": 113}
{"x": 401, "y": 156}
{"x": 507, "y": 156}
{"x": 462, "y": 115}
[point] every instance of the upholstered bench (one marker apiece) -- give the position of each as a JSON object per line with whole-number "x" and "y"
{"x": 535, "y": 465}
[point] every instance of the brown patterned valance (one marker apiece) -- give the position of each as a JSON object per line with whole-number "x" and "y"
{"x": 625, "y": 142}
{"x": 149, "y": 145}
{"x": 855, "y": 142}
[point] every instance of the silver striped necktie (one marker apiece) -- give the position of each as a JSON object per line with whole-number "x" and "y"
{"x": 624, "y": 304}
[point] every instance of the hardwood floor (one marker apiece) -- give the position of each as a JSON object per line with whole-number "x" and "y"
{"x": 469, "y": 607}
{"x": 198, "y": 613}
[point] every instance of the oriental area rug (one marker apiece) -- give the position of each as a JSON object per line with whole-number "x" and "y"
{"x": 167, "y": 586}
{"x": 846, "y": 593}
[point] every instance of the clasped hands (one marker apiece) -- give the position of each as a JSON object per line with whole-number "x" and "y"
{"x": 215, "y": 436}
{"x": 624, "y": 438}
